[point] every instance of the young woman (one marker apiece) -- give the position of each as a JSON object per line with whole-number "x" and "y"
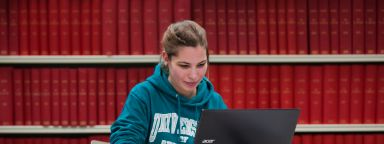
{"x": 166, "y": 107}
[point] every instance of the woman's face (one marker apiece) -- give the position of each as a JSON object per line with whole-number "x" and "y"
{"x": 187, "y": 68}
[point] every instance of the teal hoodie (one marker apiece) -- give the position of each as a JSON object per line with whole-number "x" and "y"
{"x": 155, "y": 113}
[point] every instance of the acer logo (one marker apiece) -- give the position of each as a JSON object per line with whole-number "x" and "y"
{"x": 208, "y": 141}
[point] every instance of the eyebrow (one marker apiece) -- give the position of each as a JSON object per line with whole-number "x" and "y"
{"x": 182, "y": 62}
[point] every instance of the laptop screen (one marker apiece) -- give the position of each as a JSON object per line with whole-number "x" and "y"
{"x": 262, "y": 126}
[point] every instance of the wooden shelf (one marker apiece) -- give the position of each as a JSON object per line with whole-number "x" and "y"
{"x": 105, "y": 129}
{"x": 140, "y": 59}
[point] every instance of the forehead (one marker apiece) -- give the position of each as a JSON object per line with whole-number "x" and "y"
{"x": 190, "y": 54}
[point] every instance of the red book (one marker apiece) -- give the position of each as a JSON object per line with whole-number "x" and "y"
{"x": 358, "y": 138}
{"x": 73, "y": 96}
{"x": 301, "y": 26}
{"x": 55, "y": 96}
{"x": 75, "y": 27}
{"x": 45, "y": 95}
{"x": 324, "y": 36}
{"x": 198, "y": 11}
{"x": 64, "y": 27}
{"x": 370, "y": 93}
{"x": 111, "y": 95}
{"x": 316, "y": 94}
{"x": 380, "y": 27}
{"x": 92, "y": 96}
{"x": 239, "y": 87}
{"x": 275, "y": 87}
{"x": 357, "y": 92}
{"x": 370, "y": 138}
{"x": 296, "y": 139}
{"x": 272, "y": 26}
{"x": 210, "y": 24}
{"x": 262, "y": 27}
{"x": 334, "y": 26}
{"x": 213, "y": 75}
{"x": 85, "y": 27}
{"x": 380, "y": 95}
{"x": 36, "y": 94}
{"x": 282, "y": 26}
{"x": 370, "y": 26}
{"x": 291, "y": 27}
{"x": 121, "y": 88}
{"x": 251, "y": 87}
{"x": 182, "y": 9}
{"x": 287, "y": 85}
{"x": 109, "y": 31}
{"x": 358, "y": 27}
{"x": 330, "y": 97}
{"x": 34, "y": 27}
{"x": 301, "y": 90}
{"x": 242, "y": 27}
{"x": 339, "y": 139}
{"x": 232, "y": 26}
{"x": 222, "y": 36}
{"x": 344, "y": 93}
{"x": 329, "y": 139}
{"x": 96, "y": 21}
{"x": 306, "y": 139}
{"x": 314, "y": 26}
{"x": 136, "y": 27}
{"x": 18, "y": 90}
{"x": 24, "y": 28}
{"x": 132, "y": 77}
{"x": 64, "y": 96}
{"x": 53, "y": 27}
{"x": 150, "y": 30}
{"x": 379, "y": 138}
{"x": 27, "y": 96}
{"x": 263, "y": 83}
{"x": 318, "y": 139}
{"x": 83, "y": 81}
{"x": 6, "y": 96}
{"x": 251, "y": 26}
{"x": 225, "y": 83}
{"x": 345, "y": 26}
{"x": 13, "y": 29}
{"x": 43, "y": 26}
{"x": 165, "y": 15}
{"x": 123, "y": 27}
{"x": 101, "y": 97}
{"x": 4, "y": 30}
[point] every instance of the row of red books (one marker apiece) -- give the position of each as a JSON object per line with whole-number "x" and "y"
{"x": 52, "y": 139}
{"x": 355, "y": 138}
{"x": 87, "y": 27}
{"x": 65, "y": 96}
{"x": 345, "y": 93}
{"x": 348, "y": 138}
{"x": 325, "y": 93}
{"x": 120, "y": 27}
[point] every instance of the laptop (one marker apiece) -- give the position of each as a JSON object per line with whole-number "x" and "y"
{"x": 261, "y": 126}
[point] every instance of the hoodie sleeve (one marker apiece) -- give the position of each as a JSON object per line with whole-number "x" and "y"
{"x": 132, "y": 124}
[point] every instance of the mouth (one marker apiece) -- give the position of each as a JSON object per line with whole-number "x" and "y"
{"x": 191, "y": 84}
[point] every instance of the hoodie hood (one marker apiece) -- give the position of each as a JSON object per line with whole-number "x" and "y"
{"x": 204, "y": 92}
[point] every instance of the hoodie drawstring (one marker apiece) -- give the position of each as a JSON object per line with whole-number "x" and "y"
{"x": 178, "y": 113}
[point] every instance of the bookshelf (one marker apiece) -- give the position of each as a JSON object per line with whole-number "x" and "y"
{"x": 104, "y": 129}
{"x": 140, "y": 59}
{"x": 143, "y": 59}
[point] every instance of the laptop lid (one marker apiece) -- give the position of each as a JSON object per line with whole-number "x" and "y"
{"x": 261, "y": 126}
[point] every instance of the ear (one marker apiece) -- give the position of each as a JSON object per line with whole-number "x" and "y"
{"x": 164, "y": 57}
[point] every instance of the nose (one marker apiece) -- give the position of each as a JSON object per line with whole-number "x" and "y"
{"x": 193, "y": 75}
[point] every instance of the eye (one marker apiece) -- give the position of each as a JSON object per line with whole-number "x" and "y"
{"x": 183, "y": 66}
{"x": 201, "y": 65}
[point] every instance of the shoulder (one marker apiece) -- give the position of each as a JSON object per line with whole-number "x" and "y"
{"x": 142, "y": 90}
